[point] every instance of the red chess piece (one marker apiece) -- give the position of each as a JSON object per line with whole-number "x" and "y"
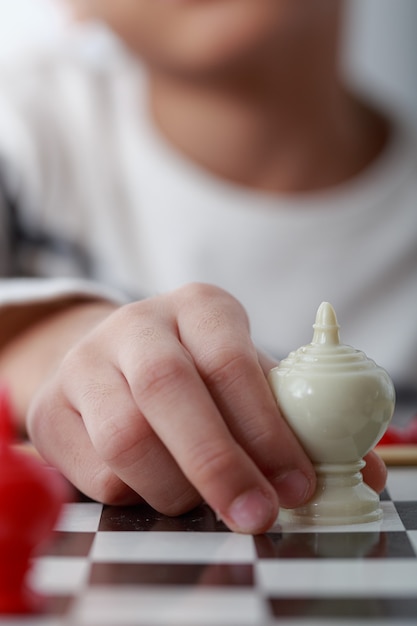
{"x": 31, "y": 496}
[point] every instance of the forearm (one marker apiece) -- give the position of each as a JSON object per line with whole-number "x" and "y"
{"x": 32, "y": 355}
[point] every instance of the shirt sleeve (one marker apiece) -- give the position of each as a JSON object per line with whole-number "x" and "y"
{"x": 17, "y": 289}
{"x": 27, "y": 252}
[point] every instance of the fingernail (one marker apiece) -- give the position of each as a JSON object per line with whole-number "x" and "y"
{"x": 293, "y": 488}
{"x": 252, "y": 512}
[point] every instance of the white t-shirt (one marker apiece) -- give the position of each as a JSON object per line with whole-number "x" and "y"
{"x": 92, "y": 191}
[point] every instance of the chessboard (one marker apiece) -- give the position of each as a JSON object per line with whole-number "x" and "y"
{"x": 120, "y": 566}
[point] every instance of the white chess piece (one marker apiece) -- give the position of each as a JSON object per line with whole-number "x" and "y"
{"x": 339, "y": 404}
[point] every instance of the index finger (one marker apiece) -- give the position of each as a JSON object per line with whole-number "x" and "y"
{"x": 217, "y": 335}
{"x": 177, "y": 405}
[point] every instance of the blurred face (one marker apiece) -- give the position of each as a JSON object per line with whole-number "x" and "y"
{"x": 198, "y": 36}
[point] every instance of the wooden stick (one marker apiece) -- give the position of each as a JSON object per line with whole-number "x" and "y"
{"x": 398, "y": 454}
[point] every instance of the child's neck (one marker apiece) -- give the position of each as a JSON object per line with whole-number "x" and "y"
{"x": 285, "y": 141}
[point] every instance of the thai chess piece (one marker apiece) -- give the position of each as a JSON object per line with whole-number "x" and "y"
{"x": 339, "y": 404}
{"x": 31, "y": 497}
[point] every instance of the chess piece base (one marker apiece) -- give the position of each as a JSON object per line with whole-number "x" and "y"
{"x": 341, "y": 497}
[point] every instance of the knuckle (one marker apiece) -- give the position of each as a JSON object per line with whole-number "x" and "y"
{"x": 211, "y": 320}
{"x": 210, "y": 463}
{"x": 82, "y": 357}
{"x": 113, "y": 442}
{"x": 129, "y": 313}
{"x": 138, "y": 322}
{"x": 96, "y": 395}
{"x": 212, "y": 300}
{"x": 120, "y": 437}
{"x": 106, "y": 487}
{"x": 265, "y": 450}
{"x": 158, "y": 376}
{"x": 225, "y": 366}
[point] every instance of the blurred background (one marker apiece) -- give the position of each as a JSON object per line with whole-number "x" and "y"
{"x": 380, "y": 54}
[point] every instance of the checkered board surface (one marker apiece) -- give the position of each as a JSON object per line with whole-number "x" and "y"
{"x": 119, "y": 566}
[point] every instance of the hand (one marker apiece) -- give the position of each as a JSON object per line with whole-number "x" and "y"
{"x": 375, "y": 472}
{"x": 167, "y": 400}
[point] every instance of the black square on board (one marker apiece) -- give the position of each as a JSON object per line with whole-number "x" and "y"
{"x": 195, "y": 574}
{"x": 144, "y": 518}
{"x": 407, "y": 510}
{"x": 345, "y": 607}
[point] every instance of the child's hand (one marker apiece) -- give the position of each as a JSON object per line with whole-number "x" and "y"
{"x": 167, "y": 398}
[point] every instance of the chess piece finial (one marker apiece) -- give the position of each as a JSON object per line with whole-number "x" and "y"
{"x": 326, "y": 328}
{"x": 339, "y": 404}
{"x": 31, "y": 497}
